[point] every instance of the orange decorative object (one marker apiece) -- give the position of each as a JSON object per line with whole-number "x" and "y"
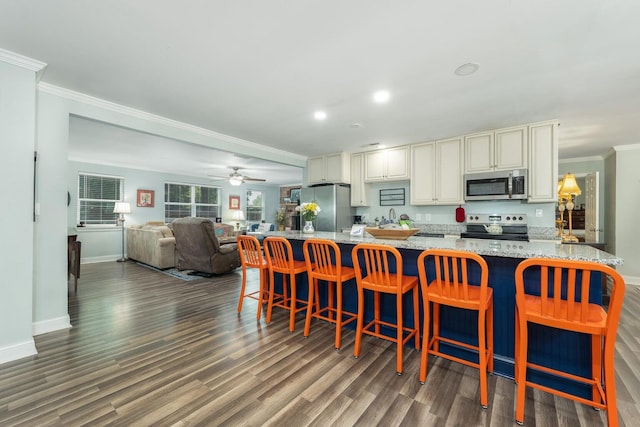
{"x": 451, "y": 288}
{"x": 279, "y": 255}
{"x": 564, "y": 304}
{"x": 323, "y": 261}
{"x": 379, "y": 269}
{"x": 251, "y": 257}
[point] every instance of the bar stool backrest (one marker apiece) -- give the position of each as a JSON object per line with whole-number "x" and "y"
{"x": 382, "y": 266}
{"x": 452, "y": 271}
{"x": 324, "y": 255}
{"x": 250, "y": 252}
{"x": 565, "y": 303}
{"x": 279, "y": 254}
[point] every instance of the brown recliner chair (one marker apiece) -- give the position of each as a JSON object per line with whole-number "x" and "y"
{"x": 198, "y": 247}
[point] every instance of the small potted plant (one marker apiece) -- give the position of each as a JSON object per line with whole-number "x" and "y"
{"x": 280, "y": 218}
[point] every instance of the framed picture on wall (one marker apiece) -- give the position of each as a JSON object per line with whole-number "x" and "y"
{"x": 234, "y": 202}
{"x": 145, "y": 198}
{"x": 295, "y": 195}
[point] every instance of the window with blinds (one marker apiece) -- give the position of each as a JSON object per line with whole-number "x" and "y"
{"x": 97, "y": 195}
{"x": 255, "y": 208}
{"x": 182, "y": 200}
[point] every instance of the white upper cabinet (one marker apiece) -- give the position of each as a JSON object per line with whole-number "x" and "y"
{"x": 329, "y": 169}
{"x": 502, "y": 149}
{"x": 543, "y": 162}
{"x": 358, "y": 187}
{"x": 387, "y": 165}
{"x": 436, "y": 173}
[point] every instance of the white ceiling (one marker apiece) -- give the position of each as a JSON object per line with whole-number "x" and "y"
{"x": 257, "y": 70}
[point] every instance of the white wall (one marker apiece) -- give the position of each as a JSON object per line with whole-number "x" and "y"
{"x": 17, "y": 133}
{"x": 626, "y": 203}
{"x": 105, "y": 243}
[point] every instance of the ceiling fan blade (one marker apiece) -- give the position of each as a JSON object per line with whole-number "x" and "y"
{"x": 246, "y": 178}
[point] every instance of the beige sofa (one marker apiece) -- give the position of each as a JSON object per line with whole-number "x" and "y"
{"x": 152, "y": 243}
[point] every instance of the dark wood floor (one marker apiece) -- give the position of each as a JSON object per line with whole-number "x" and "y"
{"x": 149, "y": 349}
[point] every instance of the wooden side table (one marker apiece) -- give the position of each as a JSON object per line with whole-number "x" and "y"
{"x": 74, "y": 248}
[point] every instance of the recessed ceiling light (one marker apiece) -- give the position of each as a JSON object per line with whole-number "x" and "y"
{"x": 381, "y": 96}
{"x": 355, "y": 125}
{"x": 320, "y": 115}
{"x": 466, "y": 69}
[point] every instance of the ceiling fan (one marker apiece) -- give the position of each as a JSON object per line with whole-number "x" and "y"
{"x": 236, "y": 178}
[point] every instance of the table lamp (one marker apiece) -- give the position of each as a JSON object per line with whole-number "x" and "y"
{"x": 121, "y": 208}
{"x": 238, "y": 216}
{"x": 568, "y": 190}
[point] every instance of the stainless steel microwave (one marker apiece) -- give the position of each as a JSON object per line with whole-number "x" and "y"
{"x": 501, "y": 185}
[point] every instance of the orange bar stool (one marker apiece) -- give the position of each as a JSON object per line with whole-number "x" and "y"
{"x": 251, "y": 257}
{"x": 323, "y": 260}
{"x": 566, "y": 306}
{"x": 279, "y": 255}
{"x": 451, "y": 288}
{"x": 377, "y": 263}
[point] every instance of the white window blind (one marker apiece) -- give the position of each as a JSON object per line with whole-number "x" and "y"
{"x": 97, "y": 195}
{"x": 255, "y": 208}
{"x": 182, "y": 200}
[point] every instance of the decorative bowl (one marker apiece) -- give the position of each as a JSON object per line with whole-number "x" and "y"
{"x": 391, "y": 233}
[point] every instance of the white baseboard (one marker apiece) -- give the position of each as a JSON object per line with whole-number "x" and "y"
{"x": 51, "y": 325}
{"x": 631, "y": 280}
{"x": 18, "y": 351}
{"x": 104, "y": 258}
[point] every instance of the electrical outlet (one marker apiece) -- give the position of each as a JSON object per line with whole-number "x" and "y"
{"x": 427, "y": 217}
{"x": 418, "y": 217}
{"x": 538, "y": 213}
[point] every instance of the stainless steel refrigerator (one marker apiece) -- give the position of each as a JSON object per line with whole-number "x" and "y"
{"x": 335, "y": 202}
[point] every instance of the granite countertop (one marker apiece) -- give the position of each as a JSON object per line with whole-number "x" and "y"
{"x": 499, "y": 248}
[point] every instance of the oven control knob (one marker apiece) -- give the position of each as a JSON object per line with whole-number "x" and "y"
{"x": 520, "y": 218}
{"x": 508, "y": 218}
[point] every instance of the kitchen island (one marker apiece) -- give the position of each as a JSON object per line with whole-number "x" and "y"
{"x": 546, "y": 345}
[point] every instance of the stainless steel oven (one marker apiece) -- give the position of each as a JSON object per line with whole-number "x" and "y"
{"x": 497, "y": 227}
{"x": 501, "y": 185}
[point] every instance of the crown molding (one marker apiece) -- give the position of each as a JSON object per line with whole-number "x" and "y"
{"x": 24, "y": 62}
{"x": 627, "y": 147}
{"x": 132, "y": 112}
{"x": 581, "y": 159}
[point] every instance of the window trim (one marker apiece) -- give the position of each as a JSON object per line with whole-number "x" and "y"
{"x": 193, "y": 204}
{"x": 262, "y": 207}
{"x": 78, "y": 198}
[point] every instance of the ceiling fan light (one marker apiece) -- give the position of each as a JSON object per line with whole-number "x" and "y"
{"x": 234, "y": 180}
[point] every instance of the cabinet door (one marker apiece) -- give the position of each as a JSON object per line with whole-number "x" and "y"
{"x": 337, "y": 168}
{"x": 449, "y": 185}
{"x": 422, "y": 182}
{"x": 543, "y": 162}
{"x": 478, "y": 152}
{"x": 315, "y": 170}
{"x": 510, "y": 148}
{"x": 358, "y": 187}
{"x": 397, "y": 164}
{"x": 374, "y": 166}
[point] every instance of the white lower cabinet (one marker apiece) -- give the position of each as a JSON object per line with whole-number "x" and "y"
{"x": 436, "y": 173}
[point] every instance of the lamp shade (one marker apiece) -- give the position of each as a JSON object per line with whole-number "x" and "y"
{"x": 569, "y": 185}
{"x": 238, "y": 215}
{"x": 122, "y": 208}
